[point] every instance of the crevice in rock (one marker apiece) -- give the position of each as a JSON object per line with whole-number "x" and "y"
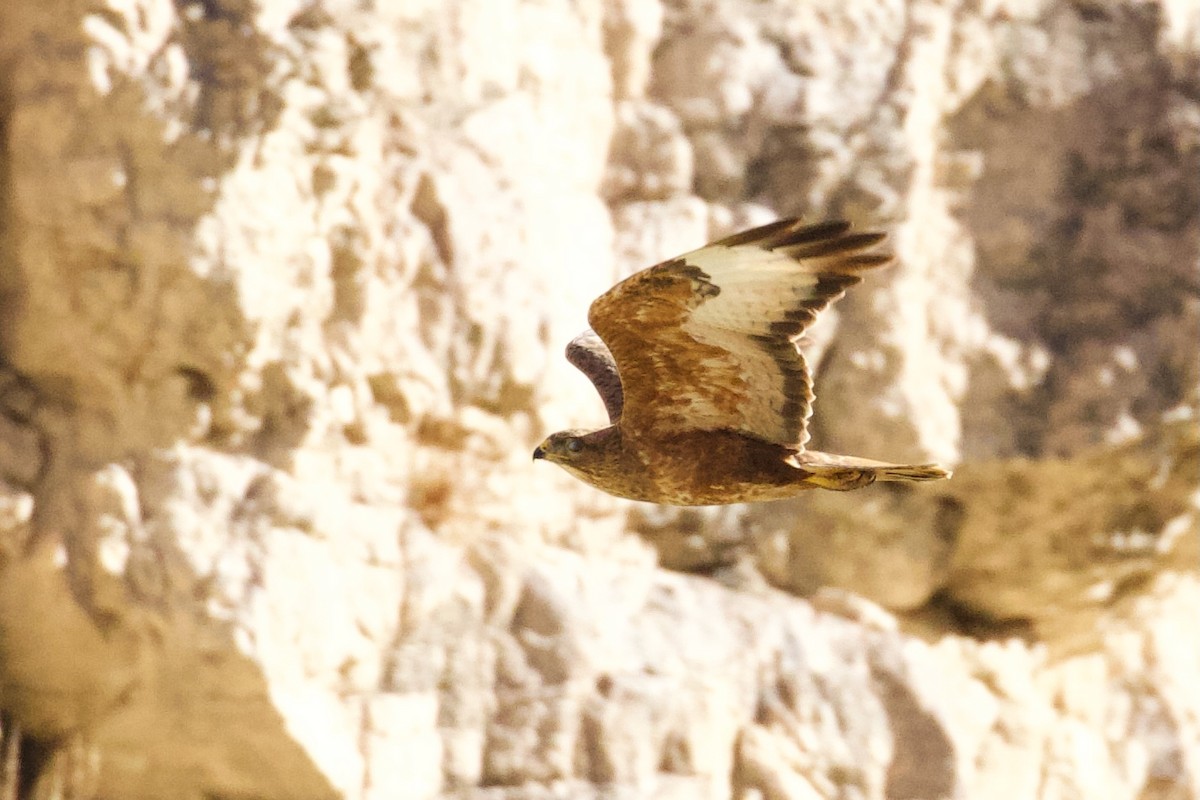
{"x": 922, "y": 763}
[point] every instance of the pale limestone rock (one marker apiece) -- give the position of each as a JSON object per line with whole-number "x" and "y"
{"x": 284, "y": 290}
{"x": 876, "y": 552}
{"x": 650, "y": 232}
{"x": 631, "y": 31}
{"x": 651, "y": 158}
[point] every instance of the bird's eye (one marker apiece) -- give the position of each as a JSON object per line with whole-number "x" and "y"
{"x": 574, "y": 445}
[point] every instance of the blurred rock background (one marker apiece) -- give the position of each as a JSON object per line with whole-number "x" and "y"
{"x": 283, "y": 292}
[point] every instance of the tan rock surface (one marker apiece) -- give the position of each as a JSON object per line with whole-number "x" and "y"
{"x": 283, "y": 292}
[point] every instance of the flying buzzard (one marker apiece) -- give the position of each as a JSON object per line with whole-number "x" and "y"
{"x": 703, "y": 379}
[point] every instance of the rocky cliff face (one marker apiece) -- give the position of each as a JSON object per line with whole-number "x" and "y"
{"x": 283, "y": 291}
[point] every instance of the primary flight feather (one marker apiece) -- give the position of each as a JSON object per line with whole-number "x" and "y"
{"x": 707, "y": 392}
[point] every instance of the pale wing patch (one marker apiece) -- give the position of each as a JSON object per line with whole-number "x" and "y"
{"x": 760, "y": 290}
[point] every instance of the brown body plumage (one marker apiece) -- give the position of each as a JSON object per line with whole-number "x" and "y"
{"x": 706, "y": 388}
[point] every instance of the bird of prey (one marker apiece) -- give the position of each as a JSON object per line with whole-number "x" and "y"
{"x": 697, "y": 360}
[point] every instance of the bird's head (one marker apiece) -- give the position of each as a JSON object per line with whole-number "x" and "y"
{"x": 599, "y": 458}
{"x": 566, "y": 448}
{"x": 592, "y": 456}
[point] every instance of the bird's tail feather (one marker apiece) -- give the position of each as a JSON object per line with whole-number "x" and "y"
{"x": 912, "y": 472}
{"x": 850, "y": 472}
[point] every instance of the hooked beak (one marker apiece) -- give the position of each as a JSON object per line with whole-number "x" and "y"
{"x": 538, "y": 452}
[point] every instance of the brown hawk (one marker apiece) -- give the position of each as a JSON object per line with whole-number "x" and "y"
{"x": 706, "y": 388}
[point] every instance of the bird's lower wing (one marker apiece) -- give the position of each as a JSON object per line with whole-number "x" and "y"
{"x": 588, "y": 353}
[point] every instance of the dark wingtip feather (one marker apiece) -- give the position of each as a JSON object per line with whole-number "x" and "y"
{"x": 819, "y": 240}
{"x": 804, "y": 234}
{"x": 849, "y": 243}
{"x": 867, "y": 261}
{"x": 757, "y": 235}
{"x": 786, "y": 233}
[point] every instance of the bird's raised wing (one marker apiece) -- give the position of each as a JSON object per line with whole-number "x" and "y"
{"x": 707, "y": 341}
{"x": 591, "y": 356}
